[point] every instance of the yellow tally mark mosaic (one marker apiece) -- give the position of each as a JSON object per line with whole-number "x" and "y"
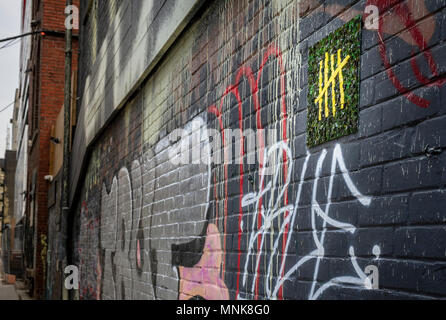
{"x": 333, "y": 77}
{"x": 325, "y": 83}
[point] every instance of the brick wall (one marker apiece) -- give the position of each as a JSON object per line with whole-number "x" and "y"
{"x": 147, "y": 226}
{"x": 49, "y": 74}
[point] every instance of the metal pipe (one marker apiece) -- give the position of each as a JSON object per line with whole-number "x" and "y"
{"x": 66, "y": 147}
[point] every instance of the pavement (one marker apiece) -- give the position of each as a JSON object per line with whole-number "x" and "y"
{"x": 7, "y": 291}
{"x": 10, "y": 292}
{"x": 22, "y": 291}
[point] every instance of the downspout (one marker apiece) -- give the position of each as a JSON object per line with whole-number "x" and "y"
{"x": 65, "y": 210}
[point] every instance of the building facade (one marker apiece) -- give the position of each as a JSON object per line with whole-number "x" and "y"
{"x": 4, "y": 235}
{"x": 10, "y": 263}
{"x": 41, "y": 99}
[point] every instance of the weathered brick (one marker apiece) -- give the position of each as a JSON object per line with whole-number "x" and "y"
{"x": 370, "y": 121}
{"x": 421, "y": 242}
{"x": 427, "y": 207}
{"x": 418, "y": 277}
{"x": 412, "y": 174}
{"x": 391, "y": 210}
{"x": 386, "y": 147}
{"x": 430, "y": 133}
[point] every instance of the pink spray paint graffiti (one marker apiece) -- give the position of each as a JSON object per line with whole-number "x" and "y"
{"x": 204, "y": 279}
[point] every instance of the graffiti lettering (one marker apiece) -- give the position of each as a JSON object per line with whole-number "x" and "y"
{"x": 275, "y": 211}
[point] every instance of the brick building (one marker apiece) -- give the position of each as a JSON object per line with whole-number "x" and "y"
{"x": 8, "y": 222}
{"x": 3, "y": 234}
{"x": 42, "y": 97}
{"x": 20, "y": 137}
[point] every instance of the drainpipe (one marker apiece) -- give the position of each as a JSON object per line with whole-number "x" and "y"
{"x": 66, "y": 151}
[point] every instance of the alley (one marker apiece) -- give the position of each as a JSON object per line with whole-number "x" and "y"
{"x": 7, "y": 291}
{"x": 11, "y": 292}
{"x": 223, "y": 150}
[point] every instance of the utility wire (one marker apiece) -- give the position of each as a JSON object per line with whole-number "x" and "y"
{"x": 20, "y": 36}
{"x": 16, "y": 38}
{"x": 10, "y": 44}
{"x": 42, "y": 32}
{"x": 6, "y": 108}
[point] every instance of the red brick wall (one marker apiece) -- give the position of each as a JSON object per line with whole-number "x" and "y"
{"x": 51, "y": 78}
{"x": 53, "y": 14}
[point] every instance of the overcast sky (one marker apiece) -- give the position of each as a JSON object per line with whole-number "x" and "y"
{"x": 9, "y": 64}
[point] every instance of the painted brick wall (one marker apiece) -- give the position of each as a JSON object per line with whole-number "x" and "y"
{"x": 148, "y": 227}
{"x": 123, "y": 42}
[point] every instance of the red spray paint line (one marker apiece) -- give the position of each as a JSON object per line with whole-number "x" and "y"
{"x": 214, "y": 110}
{"x": 273, "y": 52}
{"x": 247, "y": 73}
{"x": 406, "y": 17}
{"x": 231, "y": 90}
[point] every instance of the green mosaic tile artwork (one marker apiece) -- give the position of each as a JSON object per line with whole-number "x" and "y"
{"x": 333, "y": 78}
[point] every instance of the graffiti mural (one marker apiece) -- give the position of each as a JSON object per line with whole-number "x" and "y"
{"x": 131, "y": 244}
{"x": 180, "y": 202}
{"x": 318, "y": 234}
{"x": 122, "y": 250}
{"x": 90, "y": 282}
{"x": 205, "y": 278}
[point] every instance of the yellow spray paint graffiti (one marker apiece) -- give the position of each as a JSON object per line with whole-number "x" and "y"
{"x": 43, "y": 254}
{"x": 325, "y": 83}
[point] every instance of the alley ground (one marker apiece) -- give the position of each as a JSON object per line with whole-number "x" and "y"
{"x": 11, "y": 292}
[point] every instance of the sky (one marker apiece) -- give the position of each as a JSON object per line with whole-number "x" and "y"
{"x": 9, "y": 64}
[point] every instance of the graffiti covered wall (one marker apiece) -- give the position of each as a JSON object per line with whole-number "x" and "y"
{"x": 176, "y": 203}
